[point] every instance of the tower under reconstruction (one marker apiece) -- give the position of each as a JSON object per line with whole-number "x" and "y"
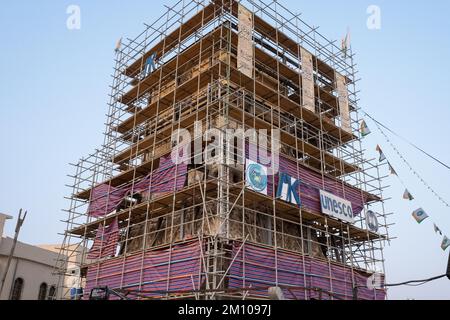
{"x": 179, "y": 204}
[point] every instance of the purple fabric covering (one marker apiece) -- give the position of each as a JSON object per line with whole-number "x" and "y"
{"x": 104, "y": 200}
{"x": 255, "y": 268}
{"x": 105, "y": 243}
{"x": 167, "y": 178}
{"x": 174, "y": 270}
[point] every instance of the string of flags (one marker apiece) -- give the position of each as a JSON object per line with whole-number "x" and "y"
{"x": 410, "y": 167}
{"x": 420, "y": 215}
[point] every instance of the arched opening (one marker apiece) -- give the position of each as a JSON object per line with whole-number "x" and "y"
{"x": 17, "y": 289}
{"x": 42, "y": 291}
{"x": 52, "y": 293}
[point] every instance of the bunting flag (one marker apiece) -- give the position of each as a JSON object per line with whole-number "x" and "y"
{"x": 118, "y": 45}
{"x": 408, "y": 196}
{"x": 420, "y": 215}
{"x": 445, "y": 243}
{"x": 437, "y": 230}
{"x": 392, "y": 170}
{"x": 364, "y": 129}
{"x": 106, "y": 240}
{"x": 104, "y": 200}
{"x": 382, "y": 156}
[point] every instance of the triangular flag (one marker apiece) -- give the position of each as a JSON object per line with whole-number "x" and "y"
{"x": 364, "y": 128}
{"x": 392, "y": 170}
{"x": 118, "y": 45}
{"x": 420, "y": 215}
{"x": 382, "y": 156}
{"x": 445, "y": 243}
{"x": 437, "y": 230}
{"x": 408, "y": 196}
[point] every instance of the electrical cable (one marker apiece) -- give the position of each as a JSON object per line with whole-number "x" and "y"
{"x": 408, "y": 142}
{"x": 415, "y": 282}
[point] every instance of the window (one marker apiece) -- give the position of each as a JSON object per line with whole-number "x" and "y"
{"x": 42, "y": 291}
{"x": 16, "y": 293}
{"x": 52, "y": 293}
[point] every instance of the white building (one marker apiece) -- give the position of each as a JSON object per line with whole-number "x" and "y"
{"x": 30, "y": 275}
{"x": 72, "y": 279}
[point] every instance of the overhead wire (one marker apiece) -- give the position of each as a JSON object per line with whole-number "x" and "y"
{"x": 414, "y": 171}
{"x": 408, "y": 142}
{"x": 416, "y": 282}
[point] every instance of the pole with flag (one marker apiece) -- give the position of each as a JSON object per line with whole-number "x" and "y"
{"x": 345, "y": 44}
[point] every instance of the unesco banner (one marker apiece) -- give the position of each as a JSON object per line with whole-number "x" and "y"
{"x": 336, "y": 207}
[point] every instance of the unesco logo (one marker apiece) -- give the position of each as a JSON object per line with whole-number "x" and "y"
{"x": 372, "y": 221}
{"x": 257, "y": 177}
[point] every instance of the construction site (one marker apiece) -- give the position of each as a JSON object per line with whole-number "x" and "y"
{"x": 199, "y": 229}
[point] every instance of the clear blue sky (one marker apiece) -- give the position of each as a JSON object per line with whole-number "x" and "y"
{"x": 54, "y": 85}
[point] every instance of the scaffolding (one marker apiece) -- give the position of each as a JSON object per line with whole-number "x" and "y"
{"x": 226, "y": 64}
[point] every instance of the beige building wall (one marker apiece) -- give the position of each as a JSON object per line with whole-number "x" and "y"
{"x": 72, "y": 279}
{"x": 33, "y": 264}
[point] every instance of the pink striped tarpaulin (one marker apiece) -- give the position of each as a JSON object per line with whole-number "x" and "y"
{"x": 167, "y": 178}
{"x": 105, "y": 199}
{"x": 155, "y": 272}
{"x": 258, "y": 267}
{"x": 106, "y": 240}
